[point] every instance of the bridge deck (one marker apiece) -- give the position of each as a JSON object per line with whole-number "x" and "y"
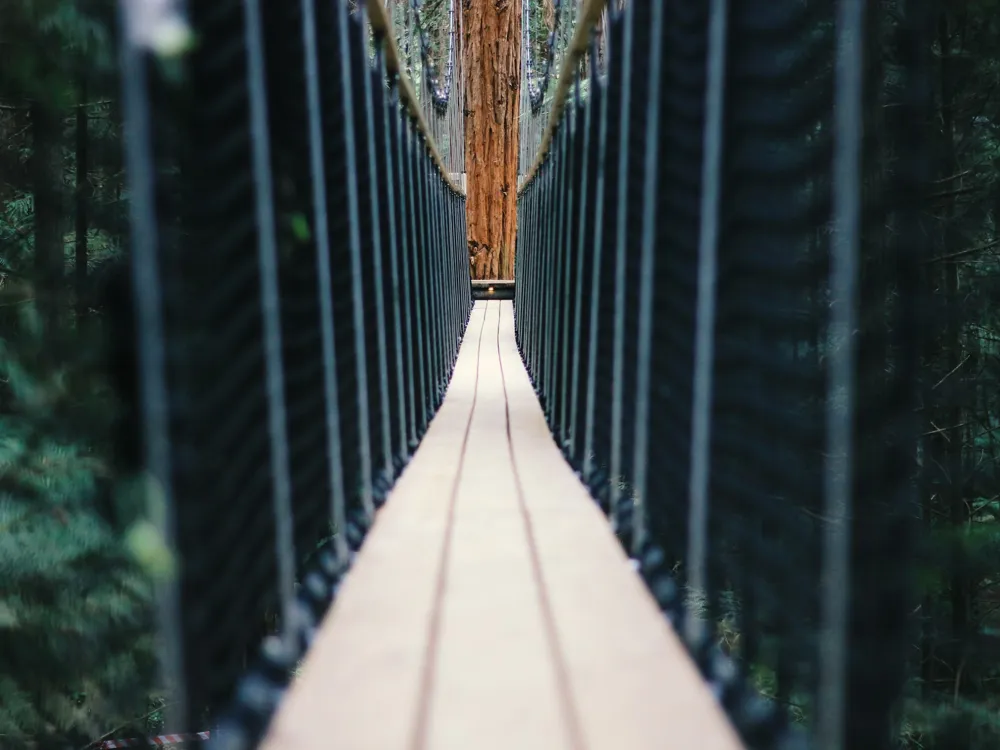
{"x": 490, "y": 606}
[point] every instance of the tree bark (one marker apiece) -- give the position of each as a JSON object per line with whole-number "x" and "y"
{"x": 492, "y": 57}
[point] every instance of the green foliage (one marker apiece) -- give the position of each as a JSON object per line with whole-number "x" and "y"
{"x": 958, "y": 725}
{"x": 33, "y": 29}
{"x": 77, "y": 651}
{"x": 77, "y": 632}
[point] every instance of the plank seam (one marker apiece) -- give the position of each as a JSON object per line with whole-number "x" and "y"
{"x": 429, "y": 670}
{"x": 571, "y": 715}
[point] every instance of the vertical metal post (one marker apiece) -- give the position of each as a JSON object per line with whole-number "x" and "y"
{"x": 581, "y": 252}
{"x": 704, "y": 343}
{"x": 151, "y": 340}
{"x": 354, "y": 241}
{"x": 545, "y": 199}
{"x": 621, "y": 207}
{"x": 566, "y": 301}
{"x": 550, "y": 196}
{"x": 524, "y": 288}
{"x": 323, "y": 272}
{"x": 267, "y": 258}
{"x": 427, "y": 269}
{"x": 595, "y": 287}
{"x": 650, "y": 195}
{"x": 381, "y": 342}
{"x": 435, "y": 187}
{"x": 842, "y": 362}
{"x": 406, "y": 249}
{"x": 417, "y": 280}
{"x": 391, "y": 155}
{"x": 552, "y": 270}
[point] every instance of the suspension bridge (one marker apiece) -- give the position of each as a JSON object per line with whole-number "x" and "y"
{"x": 644, "y": 503}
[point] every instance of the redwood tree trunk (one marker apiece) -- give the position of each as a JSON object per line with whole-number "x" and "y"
{"x": 492, "y": 61}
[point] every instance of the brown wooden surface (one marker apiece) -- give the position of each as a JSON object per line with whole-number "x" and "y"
{"x": 491, "y": 607}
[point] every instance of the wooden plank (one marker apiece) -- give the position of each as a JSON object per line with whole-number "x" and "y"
{"x": 491, "y": 607}
{"x": 493, "y": 684}
{"x": 359, "y": 687}
{"x": 633, "y": 684}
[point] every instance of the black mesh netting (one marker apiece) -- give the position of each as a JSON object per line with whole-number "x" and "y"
{"x": 764, "y": 559}
{"x": 372, "y": 299}
{"x": 366, "y": 351}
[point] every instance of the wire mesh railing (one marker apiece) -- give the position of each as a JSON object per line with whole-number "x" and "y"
{"x": 300, "y": 291}
{"x": 717, "y": 301}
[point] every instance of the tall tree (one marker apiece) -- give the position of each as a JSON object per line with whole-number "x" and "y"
{"x": 492, "y": 62}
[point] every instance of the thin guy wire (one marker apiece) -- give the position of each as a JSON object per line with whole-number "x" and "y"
{"x": 838, "y": 472}
{"x": 618, "y": 356}
{"x": 647, "y": 261}
{"x": 150, "y": 344}
{"x": 267, "y": 251}
{"x": 331, "y": 388}
{"x": 704, "y": 344}
{"x": 354, "y": 241}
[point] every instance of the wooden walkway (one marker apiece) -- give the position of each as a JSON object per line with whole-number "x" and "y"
{"x": 491, "y": 608}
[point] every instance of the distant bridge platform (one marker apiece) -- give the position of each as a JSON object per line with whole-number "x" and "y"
{"x": 491, "y": 606}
